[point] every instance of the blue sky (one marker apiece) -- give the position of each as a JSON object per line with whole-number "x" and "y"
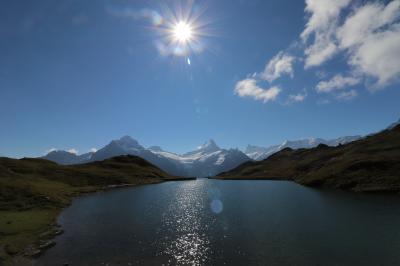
{"x": 74, "y": 75}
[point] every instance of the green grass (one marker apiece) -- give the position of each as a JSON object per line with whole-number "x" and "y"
{"x": 34, "y": 191}
{"x": 20, "y": 229}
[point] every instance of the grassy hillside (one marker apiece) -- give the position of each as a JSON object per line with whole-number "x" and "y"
{"x": 369, "y": 164}
{"x": 33, "y": 191}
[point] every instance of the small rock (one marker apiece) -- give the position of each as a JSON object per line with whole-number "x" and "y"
{"x": 33, "y": 253}
{"x": 58, "y": 232}
{"x": 47, "y": 244}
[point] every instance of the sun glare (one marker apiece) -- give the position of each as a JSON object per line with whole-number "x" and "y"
{"x": 182, "y": 32}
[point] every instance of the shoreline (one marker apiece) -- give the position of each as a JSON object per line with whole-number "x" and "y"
{"x": 45, "y": 240}
{"x": 253, "y": 179}
{"x": 356, "y": 189}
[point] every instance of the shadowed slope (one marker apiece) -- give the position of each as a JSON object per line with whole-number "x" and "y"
{"x": 33, "y": 191}
{"x": 31, "y": 176}
{"x": 369, "y": 164}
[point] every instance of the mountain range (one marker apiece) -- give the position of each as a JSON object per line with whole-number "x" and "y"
{"x": 260, "y": 153}
{"x": 207, "y": 160}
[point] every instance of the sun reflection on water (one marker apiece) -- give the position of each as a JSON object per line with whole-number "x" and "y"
{"x": 189, "y": 245}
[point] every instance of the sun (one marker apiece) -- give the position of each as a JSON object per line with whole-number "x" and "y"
{"x": 182, "y": 32}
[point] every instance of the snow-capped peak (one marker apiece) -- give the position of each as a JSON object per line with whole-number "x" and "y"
{"x": 260, "y": 153}
{"x": 155, "y": 148}
{"x": 207, "y": 160}
{"x": 210, "y": 145}
{"x": 302, "y": 143}
{"x": 127, "y": 142}
{"x": 252, "y": 148}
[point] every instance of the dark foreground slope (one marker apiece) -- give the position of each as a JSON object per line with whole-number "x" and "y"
{"x": 33, "y": 191}
{"x": 369, "y": 164}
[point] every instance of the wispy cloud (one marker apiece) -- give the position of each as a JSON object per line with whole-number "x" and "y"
{"x": 296, "y": 98}
{"x": 93, "y": 150}
{"x": 337, "y": 82}
{"x": 279, "y": 65}
{"x": 347, "y": 95}
{"x": 145, "y": 13}
{"x": 338, "y": 86}
{"x": 249, "y": 88}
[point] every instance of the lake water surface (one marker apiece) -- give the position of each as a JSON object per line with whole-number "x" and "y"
{"x": 213, "y": 222}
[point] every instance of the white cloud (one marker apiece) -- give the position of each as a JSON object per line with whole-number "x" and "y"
{"x": 366, "y": 34}
{"x": 319, "y": 52}
{"x": 249, "y": 88}
{"x": 74, "y": 151}
{"x": 338, "y": 86}
{"x": 365, "y": 21}
{"x": 379, "y": 57}
{"x": 145, "y": 13}
{"x": 297, "y": 97}
{"x": 279, "y": 65}
{"x": 321, "y": 25}
{"x": 323, "y": 13}
{"x": 93, "y": 150}
{"x": 347, "y": 95}
{"x": 372, "y": 37}
{"x": 337, "y": 82}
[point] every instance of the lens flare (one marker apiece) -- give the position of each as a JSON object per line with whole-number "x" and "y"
{"x": 217, "y": 206}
